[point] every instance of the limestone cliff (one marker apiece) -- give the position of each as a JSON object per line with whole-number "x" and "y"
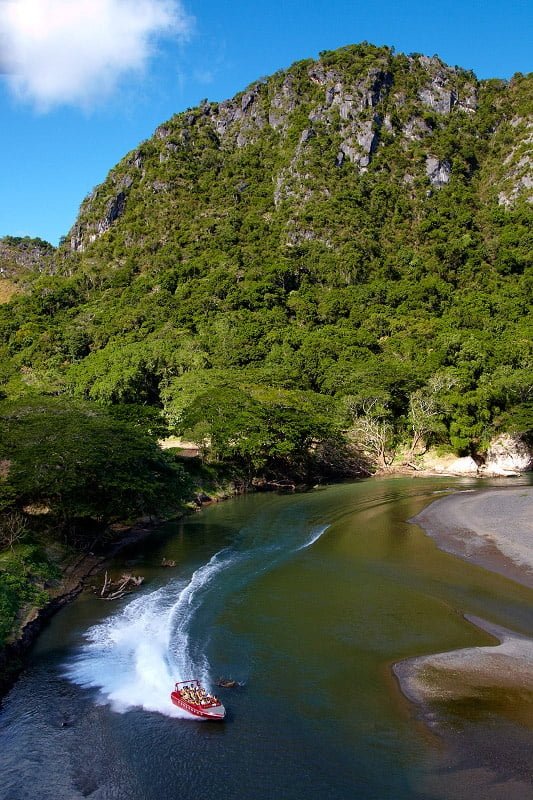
{"x": 365, "y": 109}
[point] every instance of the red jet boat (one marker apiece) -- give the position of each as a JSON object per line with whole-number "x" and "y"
{"x": 193, "y": 698}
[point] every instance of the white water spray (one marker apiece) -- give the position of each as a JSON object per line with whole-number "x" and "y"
{"x": 135, "y": 656}
{"x": 316, "y": 533}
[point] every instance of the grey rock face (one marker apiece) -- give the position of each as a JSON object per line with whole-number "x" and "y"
{"x": 125, "y": 181}
{"x": 163, "y": 132}
{"x": 359, "y": 137}
{"x": 467, "y": 100}
{"x": 80, "y": 236}
{"x": 307, "y": 134}
{"x": 17, "y": 259}
{"x": 282, "y": 104}
{"x": 248, "y": 99}
{"x": 361, "y": 142}
{"x": 115, "y": 209}
{"x": 416, "y": 129}
{"x": 518, "y": 164}
{"x": 137, "y": 160}
{"x": 508, "y": 454}
{"x": 439, "y": 94}
{"x": 238, "y": 122}
{"x": 438, "y": 98}
{"x": 438, "y": 172}
{"x": 322, "y": 76}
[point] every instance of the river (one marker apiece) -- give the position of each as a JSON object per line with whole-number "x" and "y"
{"x": 308, "y": 600}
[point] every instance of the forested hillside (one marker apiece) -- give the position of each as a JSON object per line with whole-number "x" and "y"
{"x": 328, "y": 269}
{"x": 342, "y": 250}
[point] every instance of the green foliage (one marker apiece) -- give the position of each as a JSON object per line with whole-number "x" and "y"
{"x": 84, "y": 463}
{"x": 268, "y": 432}
{"x": 23, "y": 573}
{"x": 243, "y": 256}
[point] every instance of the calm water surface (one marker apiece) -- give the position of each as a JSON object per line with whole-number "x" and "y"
{"x": 308, "y": 600}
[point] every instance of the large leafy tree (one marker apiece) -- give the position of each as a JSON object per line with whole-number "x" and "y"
{"x": 83, "y": 463}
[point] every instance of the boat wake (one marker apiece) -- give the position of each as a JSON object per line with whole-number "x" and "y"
{"x": 135, "y": 656}
{"x": 126, "y": 657}
{"x": 316, "y": 533}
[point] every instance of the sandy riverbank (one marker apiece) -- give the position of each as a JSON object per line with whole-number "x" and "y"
{"x": 471, "y": 670}
{"x": 492, "y": 528}
{"x": 458, "y": 693}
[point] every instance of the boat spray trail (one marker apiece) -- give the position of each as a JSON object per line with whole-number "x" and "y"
{"x": 135, "y": 656}
{"x": 126, "y": 656}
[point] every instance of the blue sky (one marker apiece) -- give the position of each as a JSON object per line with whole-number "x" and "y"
{"x": 76, "y": 95}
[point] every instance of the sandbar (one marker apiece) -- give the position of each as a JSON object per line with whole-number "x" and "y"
{"x": 491, "y": 528}
{"x": 460, "y": 693}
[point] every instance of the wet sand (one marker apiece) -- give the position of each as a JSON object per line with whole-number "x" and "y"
{"x": 458, "y": 694}
{"x": 493, "y": 529}
{"x": 472, "y": 670}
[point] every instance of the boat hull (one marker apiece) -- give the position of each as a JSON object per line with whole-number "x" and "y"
{"x": 213, "y": 713}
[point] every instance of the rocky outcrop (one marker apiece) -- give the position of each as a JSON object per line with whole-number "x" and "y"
{"x": 290, "y": 182}
{"x": 444, "y": 92}
{"x": 518, "y": 165}
{"x": 20, "y": 256}
{"x": 352, "y": 101}
{"x": 438, "y": 172}
{"x": 238, "y": 121}
{"x": 415, "y": 129}
{"x": 80, "y": 236}
{"x": 282, "y": 105}
{"x": 456, "y": 466}
{"x": 508, "y": 455}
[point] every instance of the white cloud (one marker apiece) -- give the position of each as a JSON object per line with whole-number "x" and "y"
{"x": 75, "y": 51}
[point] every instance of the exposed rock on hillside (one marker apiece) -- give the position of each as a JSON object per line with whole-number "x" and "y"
{"x": 356, "y": 108}
{"x": 22, "y": 256}
{"x": 437, "y": 171}
{"x": 518, "y": 165}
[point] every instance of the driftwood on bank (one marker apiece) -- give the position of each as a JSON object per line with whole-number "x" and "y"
{"x": 114, "y": 590}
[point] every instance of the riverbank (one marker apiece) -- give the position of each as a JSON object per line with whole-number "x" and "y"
{"x": 449, "y": 519}
{"x": 76, "y": 570}
{"x": 491, "y": 528}
{"x": 459, "y": 694}
{"x": 472, "y": 670}
{"x": 75, "y": 574}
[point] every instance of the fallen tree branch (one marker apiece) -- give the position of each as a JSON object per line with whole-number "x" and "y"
{"x": 114, "y": 590}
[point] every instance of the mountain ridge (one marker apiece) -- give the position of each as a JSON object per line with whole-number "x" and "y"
{"x": 357, "y": 97}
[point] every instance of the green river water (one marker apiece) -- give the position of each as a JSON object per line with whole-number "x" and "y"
{"x": 308, "y": 600}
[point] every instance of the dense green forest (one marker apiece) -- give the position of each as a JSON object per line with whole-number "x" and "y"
{"x": 331, "y": 268}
